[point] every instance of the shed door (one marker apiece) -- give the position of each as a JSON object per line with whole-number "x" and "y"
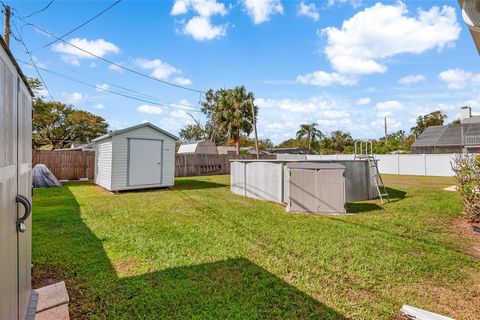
{"x": 330, "y": 191}
{"x": 145, "y": 162}
{"x": 303, "y": 191}
{"x": 15, "y": 180}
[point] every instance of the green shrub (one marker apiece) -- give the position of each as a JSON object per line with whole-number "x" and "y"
{"x": 467, "y": 173}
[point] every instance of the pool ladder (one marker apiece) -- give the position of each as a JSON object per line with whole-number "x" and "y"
{"x": 364, "y": 150}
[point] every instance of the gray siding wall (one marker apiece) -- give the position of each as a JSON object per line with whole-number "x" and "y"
{"x": 120, "y": 157}
{"x": 103, "y": 163}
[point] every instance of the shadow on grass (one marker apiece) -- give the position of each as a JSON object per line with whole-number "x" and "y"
{"x": 361, "y": 207}
{"x": 195, "y": 184}
{"x": 395, "y": 194}
{"x": 233, "y": 288}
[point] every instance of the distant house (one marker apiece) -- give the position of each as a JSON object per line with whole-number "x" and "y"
{"x": 198, "y": 147}
{"x": 451, "y": 138}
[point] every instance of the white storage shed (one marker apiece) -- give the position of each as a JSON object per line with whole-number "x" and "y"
{"x": 137, "y": 157}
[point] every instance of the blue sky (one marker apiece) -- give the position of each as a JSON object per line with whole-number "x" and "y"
{"x": 344, "y": 64}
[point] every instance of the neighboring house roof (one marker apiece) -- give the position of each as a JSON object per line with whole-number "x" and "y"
{"x": 146, "y": 124}
{"x": 449, "y": 135}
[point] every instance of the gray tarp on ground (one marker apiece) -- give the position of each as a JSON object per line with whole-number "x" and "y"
{"x": 42, "y": 177}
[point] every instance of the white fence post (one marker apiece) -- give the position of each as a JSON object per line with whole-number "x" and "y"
{"x": 425, "y": 164}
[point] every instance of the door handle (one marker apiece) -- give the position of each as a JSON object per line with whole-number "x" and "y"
{"x": 28, "y": 209}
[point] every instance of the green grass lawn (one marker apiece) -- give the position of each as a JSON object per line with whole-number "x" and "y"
{"x": 200, "y": 252}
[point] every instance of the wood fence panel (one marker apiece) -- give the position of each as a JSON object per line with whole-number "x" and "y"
{"x": 67, "y": 164}
{"x": 77, "y": 164}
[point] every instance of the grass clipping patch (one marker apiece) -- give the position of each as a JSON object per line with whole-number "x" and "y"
{"x": 467, "y": 174}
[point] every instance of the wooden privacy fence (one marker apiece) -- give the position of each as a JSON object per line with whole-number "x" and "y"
{"x": 188, "y": 165}
{"x": 77, "y": 164}
{"x": 67, "y": 164}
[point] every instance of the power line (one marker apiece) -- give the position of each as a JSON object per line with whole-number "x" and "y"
{"x": 41, "y": 10}
{"x": 81, "y": 25}
{"x": 22, "y": 42}
{"x": 111, "y": 62}
{"x": 190, "y": 108}
{"x": 135, "y": 92}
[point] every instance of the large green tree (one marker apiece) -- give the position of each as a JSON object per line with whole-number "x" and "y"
{"x": 57, "y": 125}
{"x": 310, "y": 132}
{"x": 208, "y": 132}
{"x": 230, "y": 112}
{"x": 341, "y": 140}
{"x": 435, "y": 118}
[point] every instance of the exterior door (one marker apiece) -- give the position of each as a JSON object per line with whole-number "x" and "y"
{"x": 145, "y": 162}
{"x": 330, "y": 191}
{"x": 15, "y": 181}
{"x": 303, "y": 196}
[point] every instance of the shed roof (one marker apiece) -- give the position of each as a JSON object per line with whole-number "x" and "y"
{"x": 146, "y": 124}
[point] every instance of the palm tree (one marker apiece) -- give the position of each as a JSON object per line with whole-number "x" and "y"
{"x": 311, "y": 133}
{"x": 231, "y": 111}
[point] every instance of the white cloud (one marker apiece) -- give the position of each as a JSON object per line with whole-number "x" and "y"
{"x": 74, "y": 61}
{"x": 201, "y": 29}
{"x": 99, "y": 47}
{"x": 459, "y": 78}
{"x": 261, "y": 10}
{"x": 99, "y": 106}
{"x": 407, "y": 80}
{"x": 319, "y": 105}
{"x": 145, "y": 108}
{"x": 363, "y": 101}
{"x": 39, "y": 63}
{"x": 117, "y": 125}
{"x": 74, "y": 98}
{"x": 308, "y": 10}
{"x": 354, "y": 3}
{"x": 102, "y": 87}
{"x": 383, "y": 31}
{"x": 388, "y": 108}
{"x": 182, "y": 81}
{"x": 204, "y": 8}
{"x": 115, "y": 67}
{"x": 323, "y": 79}
{"x": 160, "y": 69}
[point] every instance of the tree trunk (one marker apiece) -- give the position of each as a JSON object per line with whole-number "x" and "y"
{"x": 309, "y": 138}
{"x": 237, "y": 142}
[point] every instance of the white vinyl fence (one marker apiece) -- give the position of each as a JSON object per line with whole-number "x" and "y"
{"x": 406, "y": 164}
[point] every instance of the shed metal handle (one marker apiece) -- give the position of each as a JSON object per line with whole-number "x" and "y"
{"x": 28, "y": 210}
